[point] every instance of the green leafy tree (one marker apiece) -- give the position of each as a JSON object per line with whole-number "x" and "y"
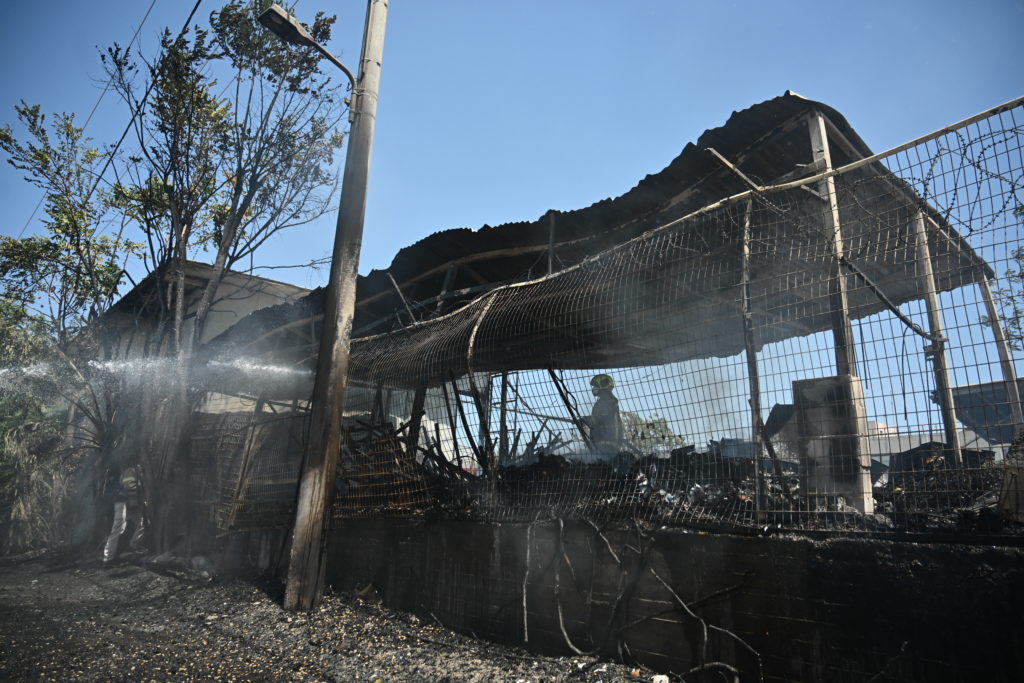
{"x": 69, "y": 273}
{"x": 234, "y": 140}
{"x": 21, "y": 415}
{"x": 23, "y": 336}
{"x": 52, "y": 285}
{"x": 236, "y": 135}
{"x": 35, "y": 480}
{"x": 223, "y": 175}
{"x": 1011, "y": 295}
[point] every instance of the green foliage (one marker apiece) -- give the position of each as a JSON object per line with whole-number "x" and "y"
{"x": 223, "y": 175}
{"x": 282, "y": 137}
{"x": 252, "y": 49}
{"x": 52, "y": 285}
{"x": 180, "y": 135}
{"x": 35, "y": 478}
{"x": 23, "y": 336}
{"x": 234, "y": 140}
{"x": 1011, "y": 295}
{"x": 58, "y": 280}
{"x": 32, "y": 477}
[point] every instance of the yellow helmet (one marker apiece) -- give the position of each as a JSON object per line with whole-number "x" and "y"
{"x": 602, "y": 382}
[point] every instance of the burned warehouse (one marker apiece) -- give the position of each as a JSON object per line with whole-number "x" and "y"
{"x": 725, "y": 411}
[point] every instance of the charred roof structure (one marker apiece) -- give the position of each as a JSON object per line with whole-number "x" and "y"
{"x": 763, "y": 145}
{"x": 776, "y": 261}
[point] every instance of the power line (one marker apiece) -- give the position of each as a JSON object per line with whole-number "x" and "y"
{"x": 138, "y": 109}
{"x": 95, "y": 107}
{"x": 135, "y": 113}
{"x": 111, "y": 79}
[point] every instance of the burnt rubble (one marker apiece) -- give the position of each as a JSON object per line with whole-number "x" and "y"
{"x": 921, "y": 490}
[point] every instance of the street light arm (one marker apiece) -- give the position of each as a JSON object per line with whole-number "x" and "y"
{"x": 285, "y": 26}
{"x": 336, "y": 62}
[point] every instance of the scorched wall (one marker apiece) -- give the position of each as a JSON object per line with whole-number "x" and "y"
{"x": 795, "y": 608}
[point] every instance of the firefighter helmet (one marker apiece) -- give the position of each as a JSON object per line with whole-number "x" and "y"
{"x": 129, "y": 481}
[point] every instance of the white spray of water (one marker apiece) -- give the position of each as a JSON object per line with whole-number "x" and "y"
{"x": 34, "y": 371}
{"x": 251, "y": 367}
{"x": 39, "y": 379}
{"x": 250, "y": 376}
{"x": 139, "y": 366}
{"x": 47, "y": 379}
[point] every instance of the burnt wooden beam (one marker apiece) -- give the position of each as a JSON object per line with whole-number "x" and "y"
{"x": 451, "y": 422}
{"x": 449, "y": 280}
{"x": 1005, "y": 355}
{"x": 503, "y": 420}
{"x": 405, "y": 302}
{"x": 458, "y": 293}
{"x": 753, "y": 376}
{"x": 465, "y": 426}
{"x": 418, "y": 399}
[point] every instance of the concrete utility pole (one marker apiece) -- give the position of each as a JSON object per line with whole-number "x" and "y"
{"x": 306, "y": 565}
{"x": 842, "y": 330}
{"x": 937, "y": 349}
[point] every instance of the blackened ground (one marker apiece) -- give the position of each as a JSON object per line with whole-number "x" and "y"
{"x": 143, "y": 622}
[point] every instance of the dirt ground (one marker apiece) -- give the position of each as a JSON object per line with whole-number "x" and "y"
{"x": 144, "y": 622}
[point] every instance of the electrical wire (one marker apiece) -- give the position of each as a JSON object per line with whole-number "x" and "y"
{"x": 135, "y": 114}
{"x": 96, "y": 106}
{"x": 137, "y": 110}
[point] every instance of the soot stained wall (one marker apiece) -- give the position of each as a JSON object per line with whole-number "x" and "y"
{"x": 791, "y": 608}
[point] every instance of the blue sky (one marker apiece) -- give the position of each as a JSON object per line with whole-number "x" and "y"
{"x": 492, "y": 111}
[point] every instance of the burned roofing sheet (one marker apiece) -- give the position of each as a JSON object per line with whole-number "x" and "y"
{"x": 765, "y": 141}
{"x": 675, "y": 294}
{"x": 790, "y": 282}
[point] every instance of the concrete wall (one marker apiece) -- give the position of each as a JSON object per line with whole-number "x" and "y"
{"x": 795, "y": 608}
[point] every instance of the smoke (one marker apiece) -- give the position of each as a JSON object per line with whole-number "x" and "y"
{"x": 715, "y": 401}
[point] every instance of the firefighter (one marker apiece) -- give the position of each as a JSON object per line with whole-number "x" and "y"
{"x": 126, "y": 508}
{"x": 605, "y": 423}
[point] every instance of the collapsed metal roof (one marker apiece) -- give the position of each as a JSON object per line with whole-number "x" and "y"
{"x": 766, "y": 142}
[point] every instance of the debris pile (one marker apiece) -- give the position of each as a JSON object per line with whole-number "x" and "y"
{"x": 377, "y": 472}
{"x": 920, "y": 490}
{"x": 924, "y": 490}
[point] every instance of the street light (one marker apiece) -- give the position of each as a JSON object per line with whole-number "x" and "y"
{"x": 316, "y": 484}
{"x": 287, "y": 28}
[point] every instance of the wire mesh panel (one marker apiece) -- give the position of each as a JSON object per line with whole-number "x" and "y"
{"x": 839, "y": 353}
{"x": 245, "y": 464}
{"x": 836, "y": 354}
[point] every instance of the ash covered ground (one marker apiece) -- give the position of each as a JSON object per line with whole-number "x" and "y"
{"x": 142, "y": 622}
